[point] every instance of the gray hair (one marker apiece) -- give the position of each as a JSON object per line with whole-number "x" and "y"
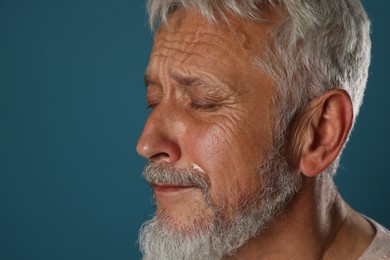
{"x": 320, "y": 45}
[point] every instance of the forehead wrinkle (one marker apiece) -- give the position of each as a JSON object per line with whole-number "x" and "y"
{"x": 201, "y": 80}
{"x": 162, "y": 61}
{"x": 234, "y": 25}
{"x": 168, "y": 53}
{"x": 204, "y": 41}
{"x": 167, "y": 50}
{"x": 251, "y": 35}
{"x": 193, "y": 40}
{"x": 197, "y": 54}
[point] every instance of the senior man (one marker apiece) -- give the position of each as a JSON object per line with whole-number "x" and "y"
{"x": 252, "y": 103}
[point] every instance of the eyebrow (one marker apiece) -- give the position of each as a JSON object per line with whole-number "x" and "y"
{"x": 190, "y": 81}
{"x": 205, "y": 82}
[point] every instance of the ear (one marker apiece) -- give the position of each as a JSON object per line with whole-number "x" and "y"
{"x": 321, "y": 131}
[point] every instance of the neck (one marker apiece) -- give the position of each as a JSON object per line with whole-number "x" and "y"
{"x": 317, "y": 224}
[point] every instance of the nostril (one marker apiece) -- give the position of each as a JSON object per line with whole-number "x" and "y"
{"x": 159, "y": 156}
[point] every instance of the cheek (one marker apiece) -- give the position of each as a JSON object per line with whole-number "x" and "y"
{"x": 211, "y": 144}
{"x": 228, "y": 157}
{"x": 208, "y": 146}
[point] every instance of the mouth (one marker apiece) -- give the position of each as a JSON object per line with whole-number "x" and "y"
{"x": 163, "y": 187}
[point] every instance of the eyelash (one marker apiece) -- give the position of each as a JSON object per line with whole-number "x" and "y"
{"x": 206, "y": 106}
{"x": 196, "y": 106}
{"x": 151, "y": 106}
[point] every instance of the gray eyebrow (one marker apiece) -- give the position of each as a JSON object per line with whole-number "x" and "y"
{"x": 188, "y": 80}
{"x": 184, "y": 80}
{"x": 205, "y": 82}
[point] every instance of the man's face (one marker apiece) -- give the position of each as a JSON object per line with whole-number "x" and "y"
{"x": 211, "y": 107}
{"x": 216, "y": 172}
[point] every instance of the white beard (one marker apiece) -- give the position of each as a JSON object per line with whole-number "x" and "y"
{"x": 213, "y": 237}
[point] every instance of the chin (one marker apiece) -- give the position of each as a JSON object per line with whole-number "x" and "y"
{"x": 168, "y": 236}
{"x": 189, "y": 222}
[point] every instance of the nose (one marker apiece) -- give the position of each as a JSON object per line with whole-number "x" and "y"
{"x": 158, "y": 141}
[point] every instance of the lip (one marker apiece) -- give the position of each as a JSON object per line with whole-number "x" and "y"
{"x": 170, "y": 187}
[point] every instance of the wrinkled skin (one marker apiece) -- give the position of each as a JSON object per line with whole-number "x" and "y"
{"x": 210, "y": 106}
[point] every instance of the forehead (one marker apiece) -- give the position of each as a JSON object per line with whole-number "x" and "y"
{"x": 191, "y": 28}
{"x": 189, "y": 42}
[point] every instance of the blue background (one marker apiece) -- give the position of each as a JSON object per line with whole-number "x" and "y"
{"x": 72, "y": 107}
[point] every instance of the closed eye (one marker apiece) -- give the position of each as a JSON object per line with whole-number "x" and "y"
{"x": 204, "y": 106}
{"x": 151, "y": 106}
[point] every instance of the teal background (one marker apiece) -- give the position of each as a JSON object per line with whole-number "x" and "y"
{"x": 72, "y": 107}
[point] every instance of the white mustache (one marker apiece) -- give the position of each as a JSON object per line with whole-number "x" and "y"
{"x": 166, "y": 174}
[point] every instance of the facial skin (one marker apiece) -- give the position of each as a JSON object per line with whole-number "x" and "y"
{"x": 210, "y": 106}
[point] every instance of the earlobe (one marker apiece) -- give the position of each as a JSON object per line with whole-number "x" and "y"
{"x": 322, "y": 130}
